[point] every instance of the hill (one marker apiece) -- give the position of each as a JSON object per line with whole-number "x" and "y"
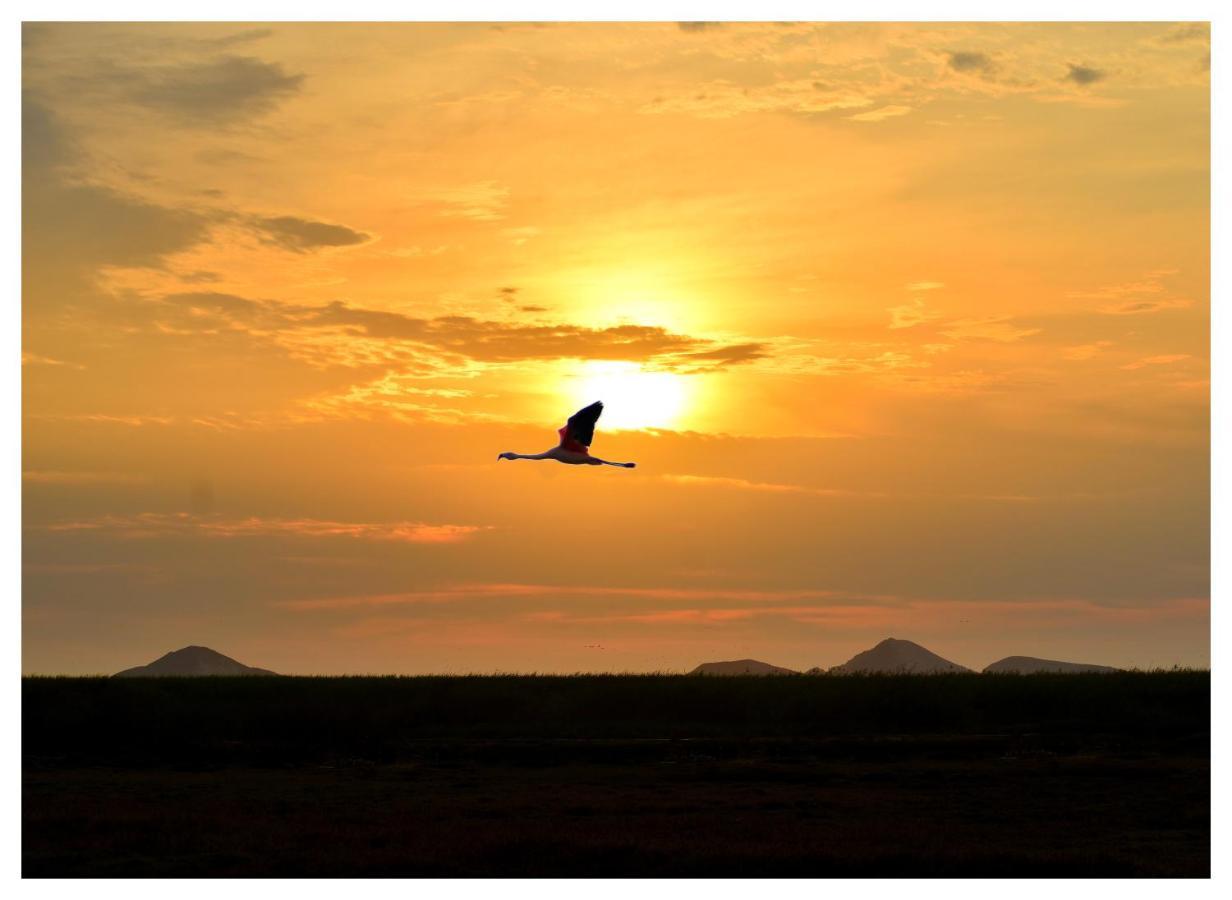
{"x": 740, "y": 667}
{"x": 894, "y": 655}
{"x": 192, "y": 661}
{"x": 1025, "y": 665}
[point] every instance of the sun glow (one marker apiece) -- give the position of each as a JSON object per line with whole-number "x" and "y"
{"x": 633, "y": 398}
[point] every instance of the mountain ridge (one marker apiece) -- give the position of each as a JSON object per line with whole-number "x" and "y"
{"x": 1025, "y": 665}
{"x": 741, "y": 667}
{"x": 191, "y": 661}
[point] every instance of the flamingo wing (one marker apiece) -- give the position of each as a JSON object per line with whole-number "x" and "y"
{"x": 581, "y": 425}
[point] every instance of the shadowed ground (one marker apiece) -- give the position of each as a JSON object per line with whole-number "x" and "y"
{"x": 660, "y": 775}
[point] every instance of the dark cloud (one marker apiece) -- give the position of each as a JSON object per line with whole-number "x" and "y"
{"x": 1084, "y": 75}
{"x": 247, "y": 36}
{"x": 1136, "y": 307}
{"x": 44, "y": 143}
{"x": 200, "y": 276}
{"x": 464, "y": 336}
{"x": 695, "y": 27}
{"x": 221, "y": 90}
{"x": 304, "y": 235}
{"x": 71, "y": 229}
{"x": 971, "y": 62}
{"x": 1184, "y": 32}
{"x": 728, "y": 355}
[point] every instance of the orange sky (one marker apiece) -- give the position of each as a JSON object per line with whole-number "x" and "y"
{"x": 907, "y": 326}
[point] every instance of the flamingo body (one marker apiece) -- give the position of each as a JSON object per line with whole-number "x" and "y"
{"x": 575, "y": 439}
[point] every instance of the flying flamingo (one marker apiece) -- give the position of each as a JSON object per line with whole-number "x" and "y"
{"x": 575, "y": 440}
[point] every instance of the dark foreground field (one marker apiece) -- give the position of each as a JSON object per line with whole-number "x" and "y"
{"x": 949, "y": 775}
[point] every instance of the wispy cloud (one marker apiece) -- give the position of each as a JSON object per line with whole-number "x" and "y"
{"x": 153, "y": 525}
{"x": 724, "y": 99}
{"x": 1000, "y": 329}
{"x": 1085, "y": 351}
{"x": 34, "y": 359}
{"x": 1164, "y": 359}
{"x": 761, "y": 486}
{"x": 1147, "y": 294}
{"x": 1139, "y": 307}
{"x": 908, "y": 315}
{"x": 720, "y": 608}
{"x": 43, "y": 476}
{"x": 881, "y": 114}
{"x": 511, "y": 591}
{"x": 134, "y": 420}
{"x": 481, "y": 201}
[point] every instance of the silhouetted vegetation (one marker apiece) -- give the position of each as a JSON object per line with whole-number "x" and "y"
{"x": 619, "y": 775}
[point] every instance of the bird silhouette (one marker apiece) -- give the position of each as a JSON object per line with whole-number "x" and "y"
{"x": 575, "y": 440}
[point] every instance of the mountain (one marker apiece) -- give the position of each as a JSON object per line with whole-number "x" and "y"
{"x": 1025, "y": 665}
{"x": 893, "y": 655}
{"x": 192, "y": 661}
{"x": 740, "y": 667}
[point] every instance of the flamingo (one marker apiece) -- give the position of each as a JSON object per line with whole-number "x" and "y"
{"x": 575, "y": 440}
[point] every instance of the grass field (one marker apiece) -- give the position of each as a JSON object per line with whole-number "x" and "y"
{"x": 953, "y": 775}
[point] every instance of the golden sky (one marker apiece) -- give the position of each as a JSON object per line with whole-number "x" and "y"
{"x": 906, "y": 325}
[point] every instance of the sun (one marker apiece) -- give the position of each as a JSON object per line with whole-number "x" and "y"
{"x": 632, "y": 397}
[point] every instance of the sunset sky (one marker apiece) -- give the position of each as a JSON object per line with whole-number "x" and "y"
{"x": 906, "y": 325}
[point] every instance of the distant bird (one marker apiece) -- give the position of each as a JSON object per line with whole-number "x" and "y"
{"x": 575, "y": 440}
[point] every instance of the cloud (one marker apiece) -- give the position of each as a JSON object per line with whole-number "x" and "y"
{"x": 990, "y": 328}
{"x": 134, "y": 421}
{"x": 714, "y": 359}
{"x": 522, "y": 234}
{"x": 303, "y": 235}
{"x": 876, "y": 361}
{"x": 1085, "y": 351}
{"x": 42, "y": 476}
{"x": 86, "y": 569}
{"x": 879, "y": 115}
{"x": 1186, "y": 32}
{"x": 970, "y": 62}
{"x": 759, "y": 486}
{"x": 210, "y": 93}
{"x": 588, "y": 606}
{"x": 1147, "y": 294}
{"x": 335, "y": 334}
{"x": 71, "y": 229}
{"x": 508, "y": 591}
{"x": 925, "y": 285}
{"x": 200, "y": 276}
{"x": 154, "y": 525}
{"x": 697, "y": 27}
{"x": 911, "y": 314}
{"x": 1140, "y": 307}
{"x": 1165, "y": 359}
{"x": 245, "y": 36}
{"x": 724, "y": 99}
{"x": 34, "y": 359}
{"x": 1084, "y": 75}
{"x": 482, "y": 201}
